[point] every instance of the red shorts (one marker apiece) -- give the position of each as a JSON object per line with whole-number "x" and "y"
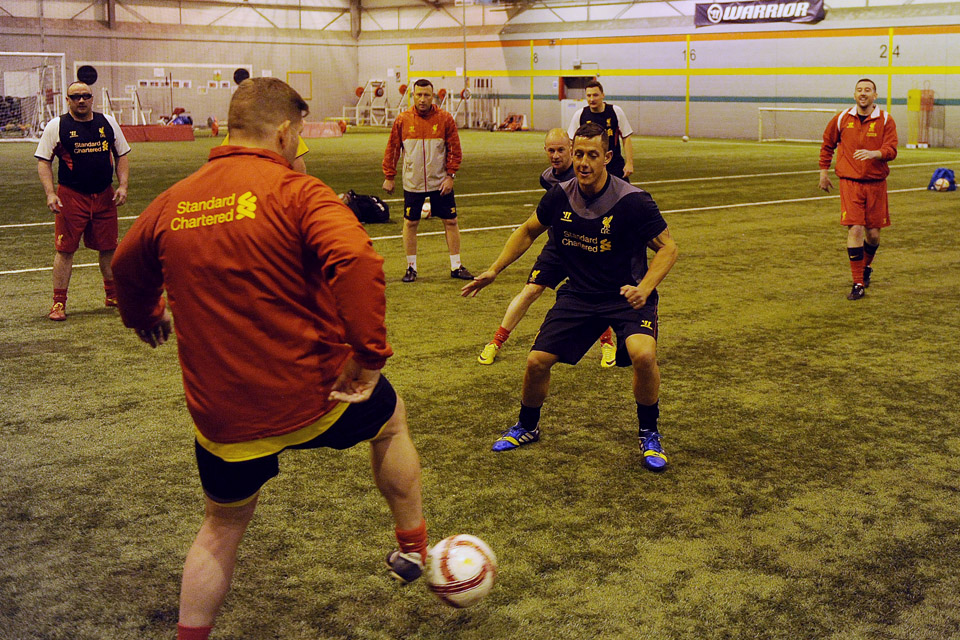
{"x": 864, "y": 203}
{"x": 91, "y": 215}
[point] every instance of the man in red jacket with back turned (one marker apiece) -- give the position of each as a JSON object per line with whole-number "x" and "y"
{"x": 279, "y": 303}
{"x": 867, "y": 140}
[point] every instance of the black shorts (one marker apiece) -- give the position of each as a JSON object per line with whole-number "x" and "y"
{"x": 440, "y": 206}
{"x": 574, "y": 323}
{"x": 547, "y": 271}
{"x": 227, "y": 482}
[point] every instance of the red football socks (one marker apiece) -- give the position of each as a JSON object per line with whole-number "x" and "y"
{"x": 109, "y": 288}
{"x": 60, "y": 295}
{"x": 414, "y": 540}
{"x": 856, "y": 263}
{"x": 192, "y": 633}
{"x": 501, "y": 336}
{"x": 607, "y": 337}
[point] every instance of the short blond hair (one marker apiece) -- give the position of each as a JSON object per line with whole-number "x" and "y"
{"x": 259, "y": 105}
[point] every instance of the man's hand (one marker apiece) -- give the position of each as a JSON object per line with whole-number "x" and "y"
{"x": 628, "y": 170}
{"x": 446, "y": 186}
{"x": 120, "y": 195}
{"x": 866, "y": 154}
{"x": 158, "y": 333}
{"x": 355, "y": 384}
{"x": 634, "y": 295}
{"x": 825, "y": 183}
{"x": 472, "y": 288}
{"x": 388, "y": 185}
{"x": 53, "y": 203}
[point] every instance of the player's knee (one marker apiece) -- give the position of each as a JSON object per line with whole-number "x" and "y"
{"x": 531, "y": 292}
{"x": 397, "y": 424}
{"x": 539, "y": 363}
{"x": 643, "y": 354}
{"x": 449, "y": 222}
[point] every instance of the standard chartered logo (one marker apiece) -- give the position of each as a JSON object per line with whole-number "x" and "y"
{"x": 240, "y": 207}
{"x": 246, "y": 206}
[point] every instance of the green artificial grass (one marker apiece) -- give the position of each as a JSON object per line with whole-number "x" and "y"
{"x": 813, "y": 489}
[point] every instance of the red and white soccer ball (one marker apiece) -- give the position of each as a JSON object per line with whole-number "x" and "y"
{"x": 942, "y": 184}
{"x": 461, "y": 570}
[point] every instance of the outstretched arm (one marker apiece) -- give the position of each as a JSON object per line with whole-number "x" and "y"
{"x": 517, "y": 244}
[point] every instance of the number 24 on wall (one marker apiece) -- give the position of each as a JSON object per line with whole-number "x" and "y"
{"x": 883, "y": 51}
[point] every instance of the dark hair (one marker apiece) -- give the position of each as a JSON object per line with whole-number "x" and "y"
{"x": 259, "y": 104}
{"x": 592, "y": 130}
{"x": 867, "y": 80}
{"x": 595, "y": 83}
{"x": 423, "y": 82}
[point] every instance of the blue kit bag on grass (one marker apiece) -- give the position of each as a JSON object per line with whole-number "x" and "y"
{"x": 946, "y": 174}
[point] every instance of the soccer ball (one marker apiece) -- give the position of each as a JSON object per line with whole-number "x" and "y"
{"x": 461, "y": 570}
{"x": 941, "y": 184}
{"x": 685, "y": 139}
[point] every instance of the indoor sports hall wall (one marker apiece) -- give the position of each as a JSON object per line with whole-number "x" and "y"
{"x": 324, "y": 64}
{"x": 669, "y": 77}
{"x": 707, "y": 85}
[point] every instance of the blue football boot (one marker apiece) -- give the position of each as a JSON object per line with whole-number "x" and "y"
{"x": 654, "y": 458}
{"x": 514, "y": 437}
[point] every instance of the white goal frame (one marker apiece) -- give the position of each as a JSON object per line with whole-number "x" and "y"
{"x": 45, "y": 112}
{"x": 760, "y": 111}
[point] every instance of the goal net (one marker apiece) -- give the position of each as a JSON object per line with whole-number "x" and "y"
{"x": 793, "y": 124}
{"x": 31, "y": 92}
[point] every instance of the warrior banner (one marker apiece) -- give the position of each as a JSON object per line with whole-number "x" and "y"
{"x": 760, "y": 11}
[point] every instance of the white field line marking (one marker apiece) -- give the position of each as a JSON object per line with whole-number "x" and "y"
{"x": 485, "y": 194}
{"x": 514, "y": 226}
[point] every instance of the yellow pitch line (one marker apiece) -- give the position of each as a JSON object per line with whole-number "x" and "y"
{"x": 705, "y": 71}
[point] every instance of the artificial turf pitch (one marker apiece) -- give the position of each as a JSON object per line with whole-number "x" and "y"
{"x": 813, "y": 485}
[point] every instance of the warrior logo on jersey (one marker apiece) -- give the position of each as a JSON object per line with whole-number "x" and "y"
{"x": 74, "y": 134}
{"x": 606, "y": 224}
{"x": 850, "y": 125}
{"x": 566, "y": 216}
{"x": 646, "y": 324}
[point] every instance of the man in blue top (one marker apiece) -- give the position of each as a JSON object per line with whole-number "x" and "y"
{"x": 602, "y": 228}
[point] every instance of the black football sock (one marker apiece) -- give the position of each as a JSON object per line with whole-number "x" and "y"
{"x": 870, "y": 250}
{"x": 529, "y": 417}
{"x": 647, "y": 417}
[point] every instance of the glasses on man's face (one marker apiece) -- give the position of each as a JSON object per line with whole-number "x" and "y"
{"x": 80, "y": 96}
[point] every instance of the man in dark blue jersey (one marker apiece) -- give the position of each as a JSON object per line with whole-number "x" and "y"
{"x": 614, "y": 120}
{"x": 547, "y": 271}
{"x": 90, "y": 146}
{"x": 602, "y": 228}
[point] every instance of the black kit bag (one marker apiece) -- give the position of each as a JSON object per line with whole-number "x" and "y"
{"x": 367, "y": 208}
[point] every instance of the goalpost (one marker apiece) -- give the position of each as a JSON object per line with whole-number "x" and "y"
{"x": 31, "y": 92}
{"x": 792, "y": 124}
